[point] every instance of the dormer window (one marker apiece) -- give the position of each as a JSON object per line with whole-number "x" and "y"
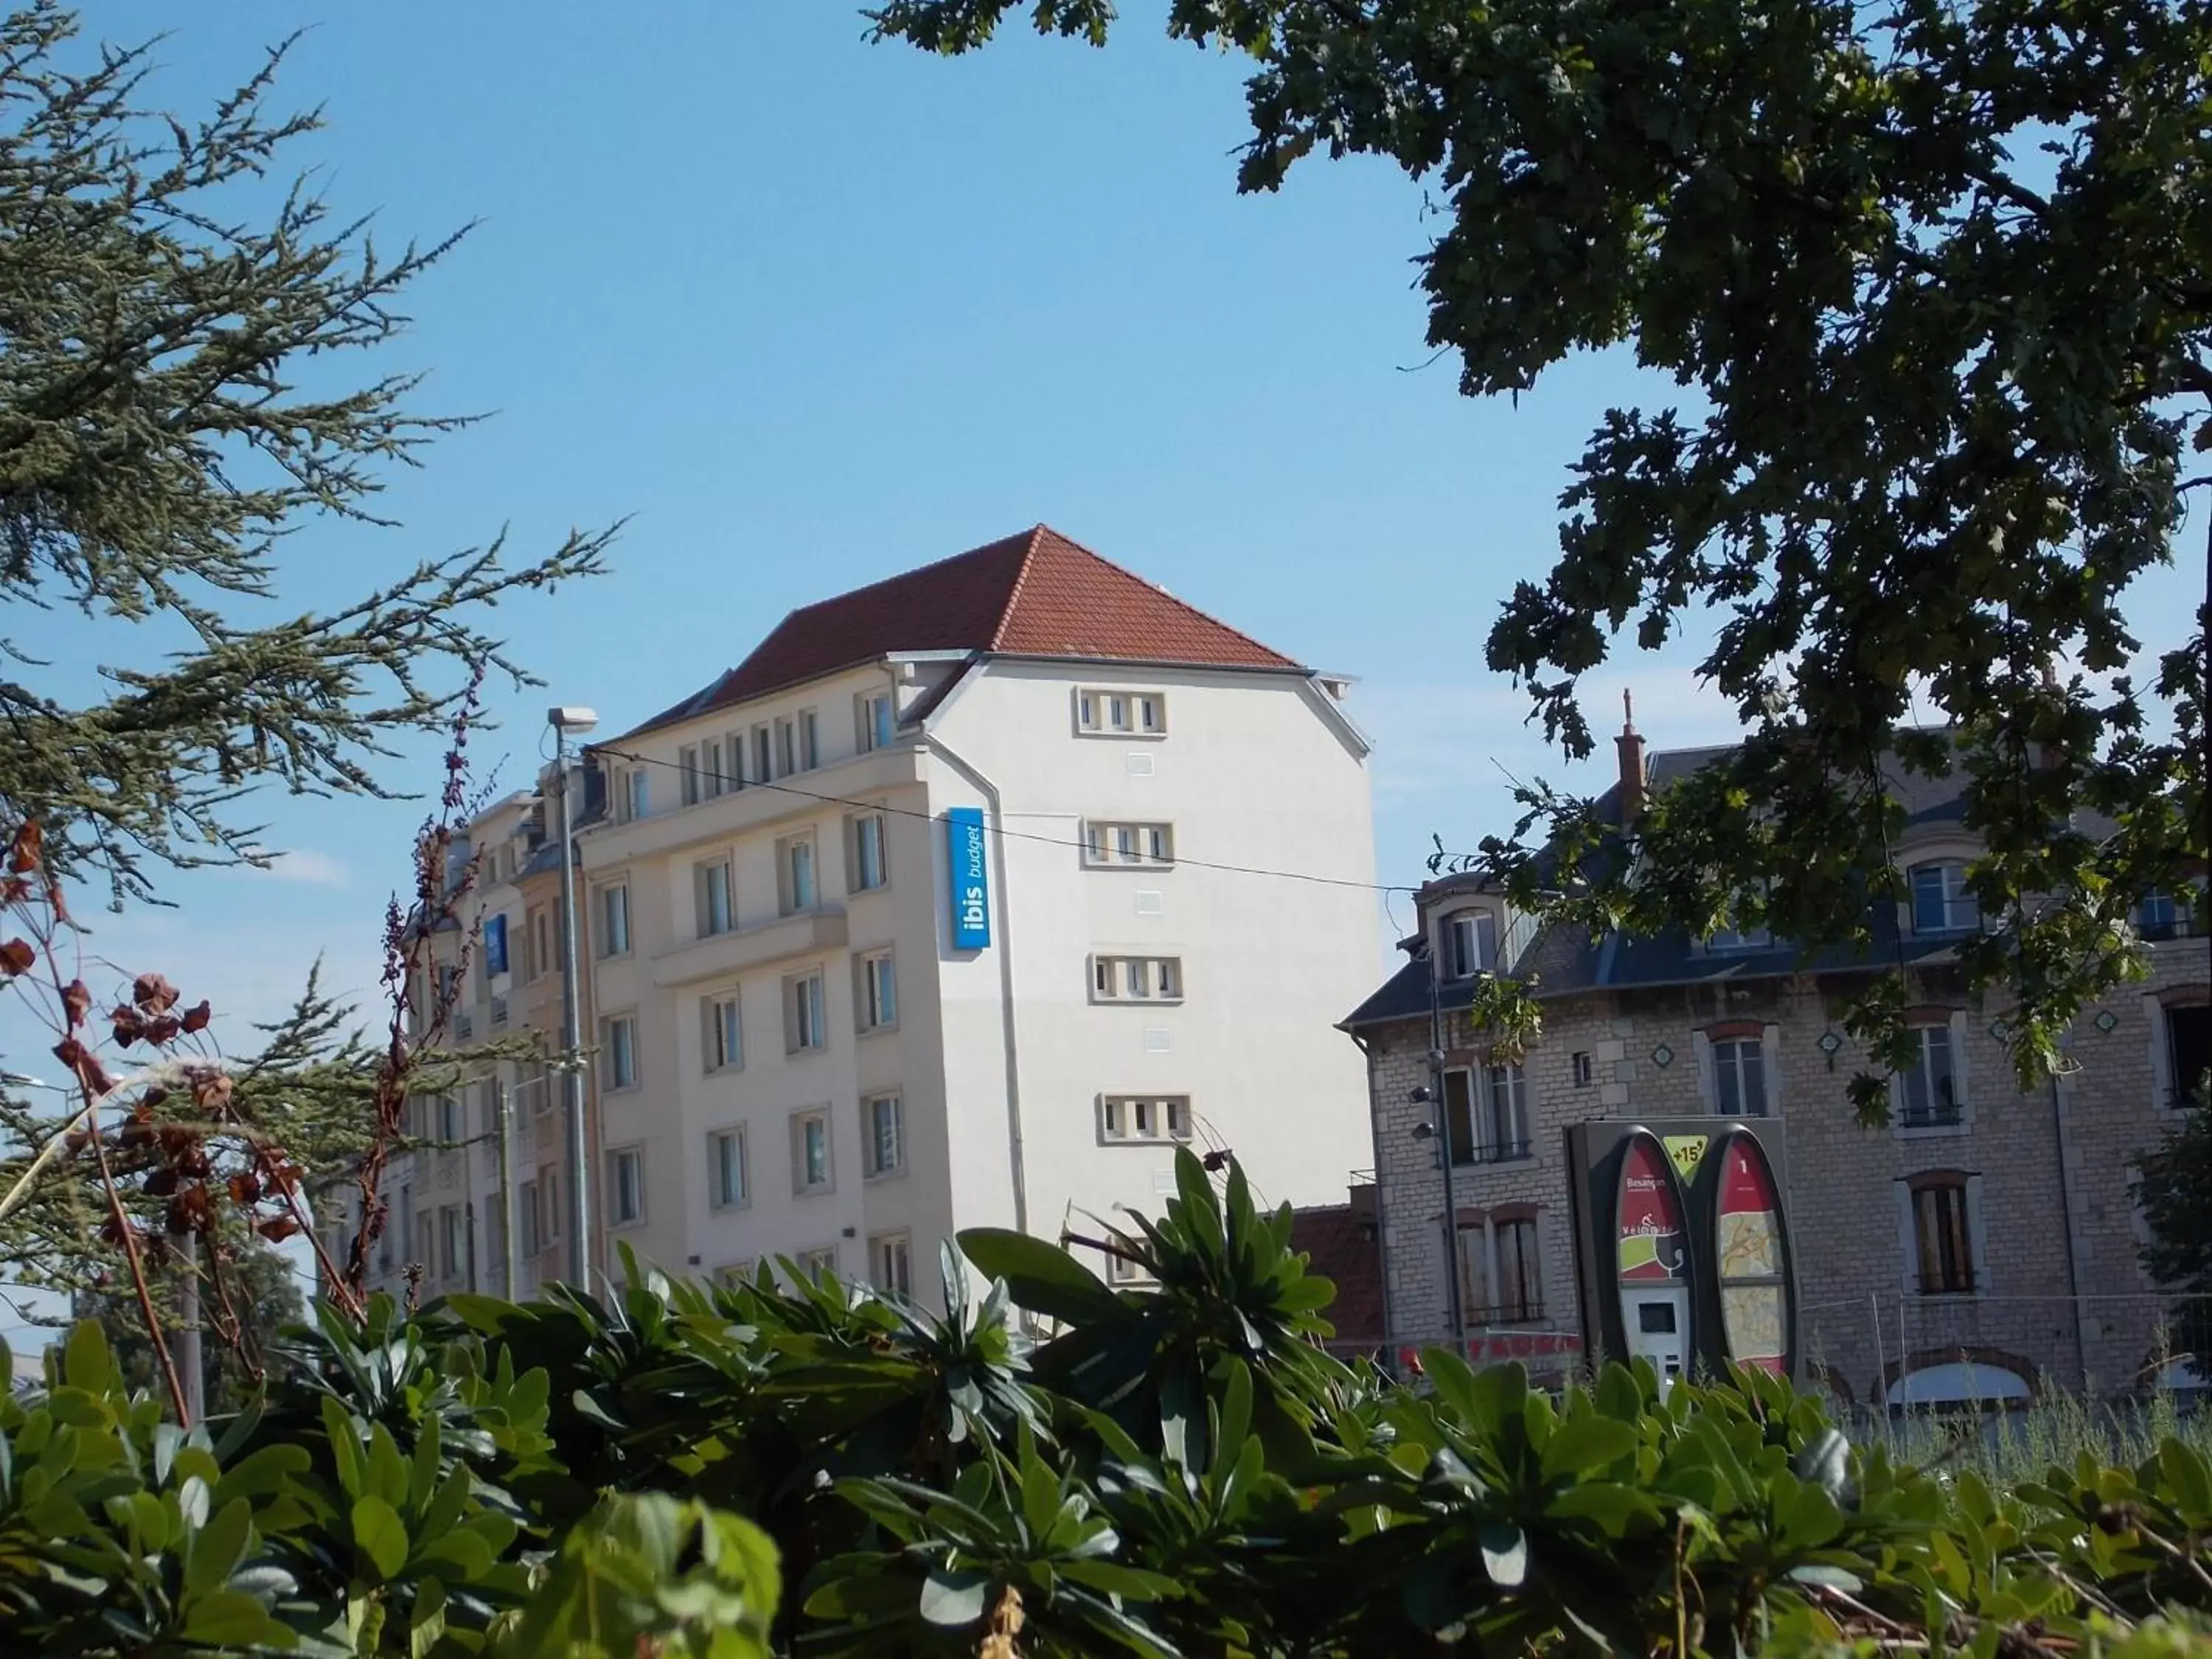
{"x": 1470, "y": 940}
{"x": 1941, "y": 903}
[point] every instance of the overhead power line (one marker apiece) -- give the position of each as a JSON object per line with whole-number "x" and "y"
{"x": 1178, "y": 862}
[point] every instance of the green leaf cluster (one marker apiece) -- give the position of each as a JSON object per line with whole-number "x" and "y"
{"x": 1055, "y": 1466}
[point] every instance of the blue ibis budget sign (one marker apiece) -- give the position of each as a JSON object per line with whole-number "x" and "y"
{"x": 971, "y": 877}
{"x": 495, "y": 943}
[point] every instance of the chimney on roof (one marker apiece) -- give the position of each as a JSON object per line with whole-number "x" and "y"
{"x": 1634, "y": 778}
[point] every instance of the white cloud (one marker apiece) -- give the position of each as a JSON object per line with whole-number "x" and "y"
{"x": 309, "y": 868}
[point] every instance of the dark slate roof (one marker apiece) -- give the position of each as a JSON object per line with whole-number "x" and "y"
{"x": 1562, "y": 962}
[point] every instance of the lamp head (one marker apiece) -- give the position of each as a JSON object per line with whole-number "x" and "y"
{"x": 571, "y": 719}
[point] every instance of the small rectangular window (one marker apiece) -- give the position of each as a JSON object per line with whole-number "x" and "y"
{"x": 1941, "y": 903}
{"x": 724, "y": 1041}
{"x": 764, "y": 756}
{"x": 810, "y": 742}
{"x": 619, "y": 1047}
{"x": 625, "y": 1187}
{"x": 818, "y": 1265}
{"x": 716, "y": 912}
{"x": 687, "y": 768}
{"x": 449, "y": 1119}
{"x": 884, "y": 1123}
{"x": 803, "y": 1011}
{"x": 1927, "y": 1094}
{"x": 1584, "y": 1071}
{"x": 795, "y": 873}
{"x": 726, "y": 1169}
{"x": 1121, "y": 714}
{"x": 614, "y": 920}
{"x": 1152, "y": 1118}
{"x": 787, "y": 747}
{"x": 1136, "y": 979}
{"x": 1944, "y": 1239}
{"x": 810, "y": 1152}
{"x": 1128, "y": 846}
{"x": 641, "y": 794}
{"x": 889, "y": 1253}
{"x": 878, "y": 991}
{"x": 1471, "y": 940}
{"x": 871, "y": 868}
{"x": 710, "y": 768}
{"x": 453, "y": 1244}
{"x": 733, "y": 760}
{"x": 527, "y": 1211}
{"x": 1739, "y": 1078}
{"x": 875, "y": 721}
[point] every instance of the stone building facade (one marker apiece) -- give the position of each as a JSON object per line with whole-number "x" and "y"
{"x": 1983, "y": 1243}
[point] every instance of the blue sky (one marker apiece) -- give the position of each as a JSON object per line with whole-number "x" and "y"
{"x": 813, "y": 311}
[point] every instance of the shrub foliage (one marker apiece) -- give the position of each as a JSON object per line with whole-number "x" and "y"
{"x": 746, "y": 1468}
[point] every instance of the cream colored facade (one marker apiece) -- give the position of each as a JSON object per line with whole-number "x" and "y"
{"x": 1033, "y": 1087}
{"x": 447, "y": 1214}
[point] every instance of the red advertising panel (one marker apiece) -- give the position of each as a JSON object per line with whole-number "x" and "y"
{"x": 1649, "y": 1241}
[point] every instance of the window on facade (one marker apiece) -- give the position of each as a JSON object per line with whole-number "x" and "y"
{"x": 712, "y": 889}
{"x": 723, "y": 1034}
{"x": 614, "y": 921}
{"x": 2163, "y": 915}
{"x": 639, "y": 794}
{"x": 1471, "y": 944}
{"x": 1501, "y": 1281}
{"x": 1145, "y": 1118}
{"x": 453, "y": 1243}
{"x": 1132, "y": 846}
{"x": 887, "y": 1257}
{"x": 733, "y": 760}
{"x": 1739, "y": 1078}
{"x": 2188, "y": 1051}
{"x": 541, "y": 945}
{"x": 527, "y": 1212}
{"x": 871, "y": 868}
{"x": 1583, "y": 1069}
{"x": 787, "y": 747}
{"x": 878, "y": 991}
{"x": 1941, "y": 903}
{"x": 1739, "y": 939}
{"x": 804, "y": 1028}
{"x": 1488, "y": 1114}
{"x": 883, "y": 1128}
{"x": 1136, "y": 979}
{"x": 449, "y": 1118}
{"x": 625, "y": 1187}
{"x": 810, "y": 1152}
{"x": 1121, "y": 714}
{"x": 710, "y": 768}
{"x": 763, "y": 755}
{"x": 1120, "y": 1270}
{"x": 809, "y": 740}
{"x": 726, "y": 1169}
{"x": 794, "y": 858}
{"x": 618, "y": 1051}
{"x": 1927, "y": 1094}
{"x": 818, "y": 1264}
{"x": 875, "y": 721}
{"x": 494, "y": 1241}
{"x": 1942, "y": 1237}
{"x": 687, "y": 772}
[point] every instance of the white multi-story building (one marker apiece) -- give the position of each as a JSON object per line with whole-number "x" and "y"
{"x": 963, "y": 900}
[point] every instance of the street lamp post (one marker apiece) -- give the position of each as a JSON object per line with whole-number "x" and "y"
{"x": 1433, "y": 1092}
{"x": 566, "y": 721}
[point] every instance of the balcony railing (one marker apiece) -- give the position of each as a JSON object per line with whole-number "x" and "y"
{"x": 1507, "y": 1313}
{"x": 1946, "y": 1116}
{"x": 1497, "y": 1152}
{"x": 1959, "y": 1283}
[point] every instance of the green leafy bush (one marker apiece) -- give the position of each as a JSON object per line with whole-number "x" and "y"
{"x": 1177, "y": 1468}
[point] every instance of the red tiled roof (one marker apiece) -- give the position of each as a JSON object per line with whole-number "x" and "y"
{"x": 1037, "y": 594}
{"x": 1339, "y": 1240}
